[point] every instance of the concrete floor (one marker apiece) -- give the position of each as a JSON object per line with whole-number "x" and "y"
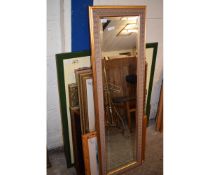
{"x": 153, "y": 164}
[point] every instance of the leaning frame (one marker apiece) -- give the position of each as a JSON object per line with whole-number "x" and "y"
{"x": 95, "y": 13}
{"x": 149, "y": 90}
{"x": 62, "y": 98}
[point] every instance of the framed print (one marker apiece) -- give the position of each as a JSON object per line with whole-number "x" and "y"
{"x": 90, "y": 152}
{"x": 87, "y": 110}
{"x": 73, "y": 95}
{"x": 151, "y": 55}
{"x": 66, "y": 64}
{"x": 159, "y": 116}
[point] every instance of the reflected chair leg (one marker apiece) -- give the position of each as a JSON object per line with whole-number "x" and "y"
{"x": 119, "y": 117}
{"x": 128, "y": 115}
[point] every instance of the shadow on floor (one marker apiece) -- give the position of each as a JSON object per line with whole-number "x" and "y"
{"x": 153, "y": 164}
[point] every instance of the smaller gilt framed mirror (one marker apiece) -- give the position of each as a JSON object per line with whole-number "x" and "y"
{"x": 118, "y": 65}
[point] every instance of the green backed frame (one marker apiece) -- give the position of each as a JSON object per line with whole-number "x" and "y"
{"x": 155, "y": 49}
{"x": 62, "y": 93}
{"x": 62, "y": 96}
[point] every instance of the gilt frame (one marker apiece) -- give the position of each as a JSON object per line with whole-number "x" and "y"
{"x": 82, "y": 89}
{"x": 95, "y": 13}
{"x": 90, "y": 160}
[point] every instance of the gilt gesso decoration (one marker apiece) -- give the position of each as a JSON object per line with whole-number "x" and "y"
{"x": 118, "y": 65}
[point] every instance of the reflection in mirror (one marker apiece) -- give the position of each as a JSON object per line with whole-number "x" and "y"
{"x": 119, "y": 54}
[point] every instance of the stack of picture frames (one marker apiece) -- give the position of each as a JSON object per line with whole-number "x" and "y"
{"x": 87, "y": 116}
{"x": 75, "y": 84}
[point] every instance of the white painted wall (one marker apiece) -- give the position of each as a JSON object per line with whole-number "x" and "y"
{"x": 154, "y": 33}
{"x": 58, "y": 40}
{"x": 54, "y": 130}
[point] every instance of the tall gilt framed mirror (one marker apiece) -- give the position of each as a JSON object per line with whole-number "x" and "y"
{"x": 118, "y": 64}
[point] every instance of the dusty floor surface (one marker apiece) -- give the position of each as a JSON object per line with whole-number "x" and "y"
{"x": 153, "y": 164}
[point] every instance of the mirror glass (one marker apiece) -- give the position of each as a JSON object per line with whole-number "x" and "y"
{"x": 119, "y": 62}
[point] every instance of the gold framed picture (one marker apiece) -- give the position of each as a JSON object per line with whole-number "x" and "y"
{"x": 90, "y": 152}
{"x": 86, "y": 101}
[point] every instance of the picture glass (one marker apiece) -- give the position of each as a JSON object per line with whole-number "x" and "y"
{"x": 119, "y": 64}
{"x": 69, "y": 77}
{"x": 149, "y": 56}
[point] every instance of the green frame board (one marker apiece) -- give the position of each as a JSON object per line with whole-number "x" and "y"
{"x": 155, "y": 49}
{"x": 62, "y": 96}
